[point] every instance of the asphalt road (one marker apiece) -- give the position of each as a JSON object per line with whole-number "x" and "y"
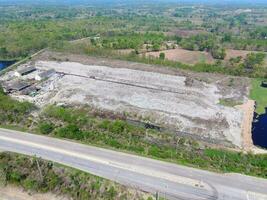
{"x": 169, "y": 180}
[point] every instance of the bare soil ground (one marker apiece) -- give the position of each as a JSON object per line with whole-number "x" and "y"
{"x": 248, "y": 109}
{"x": 14, "y": 193}
{"x": 193, "y": 57}
{"x": 185, "y": 56}
{"x": 231, "y": 53}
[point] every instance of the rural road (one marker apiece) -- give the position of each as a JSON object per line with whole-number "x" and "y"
{"x": 169, "y": 180}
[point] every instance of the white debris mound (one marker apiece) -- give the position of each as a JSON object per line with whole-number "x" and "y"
{"x": 162, "y": 99}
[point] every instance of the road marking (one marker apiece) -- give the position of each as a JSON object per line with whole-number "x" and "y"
{"x": 133, "y": 168}
{"x": 256, "y": 196}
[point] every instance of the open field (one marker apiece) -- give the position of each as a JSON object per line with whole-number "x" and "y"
{"x": 174, "y": 99}
{"x": 194, "y": 57}
{"x": 231, "y": 53}
{"x": 185, "y": 56}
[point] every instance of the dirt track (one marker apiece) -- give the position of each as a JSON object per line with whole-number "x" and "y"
{"x": 248, "y": 109}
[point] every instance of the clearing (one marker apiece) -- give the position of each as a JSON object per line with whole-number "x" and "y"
{"x": 186, "y": 103}
{"x": 194, "y": 57}
{"x": 185, "y": 56}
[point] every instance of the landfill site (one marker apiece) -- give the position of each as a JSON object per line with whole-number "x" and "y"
{"x": 189, "y": 103}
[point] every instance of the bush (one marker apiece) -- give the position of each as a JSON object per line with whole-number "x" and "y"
{"x": 46, "y": 128}
{"x": 254, "y": 60}
{"x": 162, "y": 56}
{"x": 13, "y": 111}
{"x": 71, "y": 131}
{"x": 218, "y": 52}
{"x": 121, "y": 135}
{"x": 117, "y": 127}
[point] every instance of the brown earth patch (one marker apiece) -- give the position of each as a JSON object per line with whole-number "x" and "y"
{"x": 184, "y": 56}
{"x": 231, "y": 53}
{"x": 14, "y": 193}
{"x": 248, "y": 109}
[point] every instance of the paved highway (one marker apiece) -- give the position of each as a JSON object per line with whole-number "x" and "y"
{"x": 169, "y": 180}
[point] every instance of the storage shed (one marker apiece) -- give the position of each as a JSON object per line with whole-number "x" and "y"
{"x": 44, "y": 75}
{"x": 24, "y": 71}
{"x": 15, "y": 86}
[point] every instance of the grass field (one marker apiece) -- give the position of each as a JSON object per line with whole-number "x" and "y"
{"x": 259, "y": 94}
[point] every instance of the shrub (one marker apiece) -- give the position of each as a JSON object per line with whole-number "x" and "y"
{"x": 71, "y": 131}
{"x": 117, "y": 127}
{"x": 218, "y": 52}
{"x": 46, "y": 128}
{"x": 162, "y": 56}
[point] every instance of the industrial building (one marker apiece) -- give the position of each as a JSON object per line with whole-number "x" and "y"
{"x": 15, "y": 86}
{"x": 24, "y": 71}
{"x": 44, "y": 75}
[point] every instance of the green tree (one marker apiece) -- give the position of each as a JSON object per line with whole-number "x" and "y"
{"x": 218, "y": 52}
{"x": 156, "y": 47}
{"x": 254, "y": 60}
{"x": 162, "y": 56}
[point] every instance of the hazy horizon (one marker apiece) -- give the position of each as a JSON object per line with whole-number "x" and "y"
{"x": 76, "y": 2}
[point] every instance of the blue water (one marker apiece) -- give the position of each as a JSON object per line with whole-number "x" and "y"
{"x": 5, "y": 64}
{"x": 259, "y": 130}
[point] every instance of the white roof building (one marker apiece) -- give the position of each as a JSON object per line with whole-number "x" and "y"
{"x": 45, "y": 74}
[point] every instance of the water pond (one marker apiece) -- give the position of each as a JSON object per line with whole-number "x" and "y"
{"x": 259, "y": 130}
{"x": 5, "y": 64}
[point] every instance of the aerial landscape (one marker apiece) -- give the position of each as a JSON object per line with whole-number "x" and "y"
{"x": 123, "y": 99}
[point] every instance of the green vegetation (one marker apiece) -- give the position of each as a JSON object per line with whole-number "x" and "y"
{"x": 27, "y": 29}
{"x": 236, "y": 69}
{"x": 259, "y": 94}
{"x": 253, "y": 63}
{"x": 34, "y": 174}
{"x": 162, "y": 56}
{"x": 229, "y": 102}
{"x": 142, "y": 28}
{"x": 132, "y": 41}
{"x": 218, "y": 52}
{"x": 85, "y": 126}
{"x": 45, "y": 128}
{"x": 12, "y": 111}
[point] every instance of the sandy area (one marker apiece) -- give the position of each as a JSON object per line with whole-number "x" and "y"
{"x": 14, "y": 193}
{"x": 248, "y": 109}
